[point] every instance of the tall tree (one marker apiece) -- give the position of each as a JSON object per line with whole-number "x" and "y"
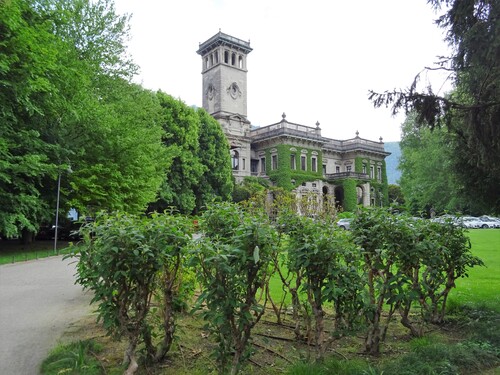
{"x": 472, "y": 112}
{"x": 428, "y": 180}
{"x": 216, "y": 181}
{"x": 181, "y": 140}
{"x": 200, "y": 169}
{"x": 120, "y": 160}
{"x": 60, "y": 64}
{"x": 28, "y": 58}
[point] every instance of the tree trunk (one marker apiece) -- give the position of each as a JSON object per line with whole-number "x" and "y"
{"x": 168, "y": 326}
{"x": 372, "y": 341}
{"x": 406, "y": 322}
{"x": 27, "y": 237}
{"x": 148, "y": 342}
{"x": 236, "y": 362}
{"x": 130, "y": 359}
{"x": 277, "y": 310}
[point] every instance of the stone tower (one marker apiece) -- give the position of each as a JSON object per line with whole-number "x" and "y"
{"x": 224, "y": 72}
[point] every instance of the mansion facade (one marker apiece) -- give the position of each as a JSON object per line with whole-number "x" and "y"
{"x": 293, "y": 156}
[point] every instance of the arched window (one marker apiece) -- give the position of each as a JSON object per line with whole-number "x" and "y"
{"x": 235, "y": 160}
{"x": 359, "y": 194}
{"x": 233, "y": 59}
{"x": 212, "y": 59}
{"x": 240, "y": 62}
{"x": 226, "y": 57}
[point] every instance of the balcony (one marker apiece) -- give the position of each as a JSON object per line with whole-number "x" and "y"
{"x": 355, "y": 144}
{"x": 285, "y": 128}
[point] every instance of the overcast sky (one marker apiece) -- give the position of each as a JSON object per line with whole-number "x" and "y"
{"x": 314, "y": 60}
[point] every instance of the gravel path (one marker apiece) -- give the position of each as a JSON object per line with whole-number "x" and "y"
{"x": 38, "y": 302}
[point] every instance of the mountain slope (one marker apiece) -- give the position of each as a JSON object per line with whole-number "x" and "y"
{"x": 392, "y": 162}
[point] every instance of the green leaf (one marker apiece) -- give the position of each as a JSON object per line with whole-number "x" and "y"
{"x": 256, "y": 256}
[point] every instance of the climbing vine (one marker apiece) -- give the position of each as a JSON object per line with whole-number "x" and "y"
{"x": 350, "y": 194}
{"x": 286, "y": 177}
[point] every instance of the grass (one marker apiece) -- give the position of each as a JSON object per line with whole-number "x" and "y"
{"x": 12, "y": 251}
{"x": 482, "y": 287}
{"x": 74, "y": 358}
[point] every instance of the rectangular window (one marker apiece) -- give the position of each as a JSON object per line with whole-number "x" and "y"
{"x": 379, "y": 173}
{"x": 293, "y": 162}
{"x": 324, "y": 168}
{"x": 243, "y": 164}
{"x": 337, "y": 169}
{"x": 314, "y": 165}
{"x": 348, "y": 168}
{"x": 254, "y": 166}
{"x": 364, "y": 168}
{"x": 263, "y": 165}
{"x": 303, "y": 164}
{"x": 372, "y": 172}
{"x": 274, "y": 162}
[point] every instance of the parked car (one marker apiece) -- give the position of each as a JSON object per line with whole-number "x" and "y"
{"x": 470, "y": 222}
{"x": 448, "y": 219}
{"x": 345, "y": 223}
{"x": 488, "y": 222}
{"x": 67, "y": 231}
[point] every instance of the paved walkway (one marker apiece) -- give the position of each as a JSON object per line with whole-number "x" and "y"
{"x": 38, "y": 302}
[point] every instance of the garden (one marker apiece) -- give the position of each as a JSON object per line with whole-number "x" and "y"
{"x": 243, "y": 291}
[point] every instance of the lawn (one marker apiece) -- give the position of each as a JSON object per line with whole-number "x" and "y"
{"x": 482, "y": 287}
{"x": 12, "y": 251}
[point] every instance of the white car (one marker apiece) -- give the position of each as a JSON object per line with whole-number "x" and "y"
{"x": 488, "y": 222}
{"x": 345, "y": 223}
{"x": 448, "y": 219}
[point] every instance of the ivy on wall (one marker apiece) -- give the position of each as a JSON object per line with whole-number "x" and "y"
{"x": 284, "y": 174}
{"x": 385, "y": 185}
{"x": 358, "y": 164}
{"x": 287, "y": 178}
{"x": 350, "y": 194}
{"x": 379, "y": 184}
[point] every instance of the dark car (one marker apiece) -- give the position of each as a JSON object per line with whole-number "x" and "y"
{"x": 68, "y": 231}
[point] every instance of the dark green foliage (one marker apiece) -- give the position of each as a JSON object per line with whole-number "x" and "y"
{"x": 216, "y": 181}
{"x": 199, "y": 170}
{"x": 472, "y": 112}
{"x": 249, "y": 187}
{"x": 396, "y": 196}
{"x": 428, "y": 180}
{"x": 181, "y": 127}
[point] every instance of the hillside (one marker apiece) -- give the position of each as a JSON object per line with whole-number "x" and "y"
{"x": 392, "y": 162}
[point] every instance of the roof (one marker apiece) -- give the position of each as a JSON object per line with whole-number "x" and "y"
{"x": 226, "y": 40}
